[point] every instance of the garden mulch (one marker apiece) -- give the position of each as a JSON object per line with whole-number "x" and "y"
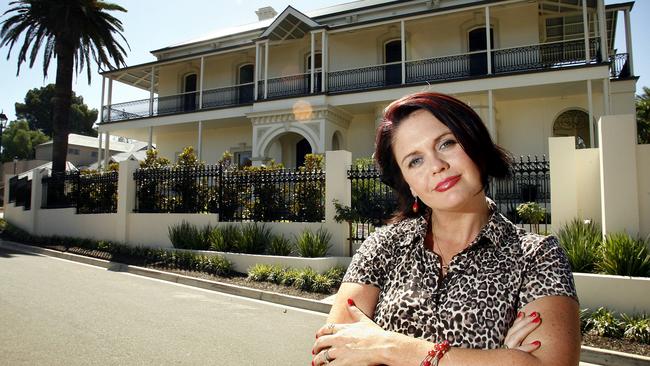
{"x": 240, "y": 279}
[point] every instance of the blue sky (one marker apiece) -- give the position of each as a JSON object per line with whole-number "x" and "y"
{"x": 153, "y": 24}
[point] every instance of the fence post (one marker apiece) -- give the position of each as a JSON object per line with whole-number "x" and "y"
{"x": 125, "y": 198}
{"x": 337, "y": 187}
{"x": 619, "y": 187}
{"x": 564, "y": 194}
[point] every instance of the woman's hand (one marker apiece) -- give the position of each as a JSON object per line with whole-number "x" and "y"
{"x": 358, "y": 343}
{"x": 520, "y": 329}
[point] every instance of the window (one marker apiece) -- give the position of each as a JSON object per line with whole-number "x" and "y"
{"x": 73, "y": 151}
{"x": 243, "y": 158}
{"x": 93, "y": 154}
{"x": 574, "y": 122}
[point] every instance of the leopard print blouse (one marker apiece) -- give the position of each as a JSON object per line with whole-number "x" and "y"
{"x": 475, "y": 304}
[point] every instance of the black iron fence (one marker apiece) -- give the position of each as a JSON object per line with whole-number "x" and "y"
{"x": 365, "y": 77}
{"x": 288, "y": 86}
{"x": 619, "y": 67}
{"x": 88, "y": 193}
{"x": 374, "y": 202}
{"x": 544, "y": 56}
{"x": 20, "y": 192}
{"x": 236, "y": 195}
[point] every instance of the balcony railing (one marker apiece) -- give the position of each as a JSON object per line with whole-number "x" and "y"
{"x": 553, "y": 55}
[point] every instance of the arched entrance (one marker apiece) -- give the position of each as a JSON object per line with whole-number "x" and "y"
{"x": 573, "y": 122}
{"x": 289, "y": 149}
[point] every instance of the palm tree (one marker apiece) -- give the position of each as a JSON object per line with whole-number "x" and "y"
{"x": 73, "y": 32}
{"x": 643, "y": 116}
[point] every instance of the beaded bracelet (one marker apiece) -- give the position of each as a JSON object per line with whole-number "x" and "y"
{"x": 435, "y": 354}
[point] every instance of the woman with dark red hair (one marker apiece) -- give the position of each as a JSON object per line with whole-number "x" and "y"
{"x": 450, "y": 281}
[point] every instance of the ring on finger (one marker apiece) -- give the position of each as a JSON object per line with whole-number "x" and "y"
{"x": 327, "y": 356}
{"x": 330, "y": 327}
{"x": 505, "y": 346}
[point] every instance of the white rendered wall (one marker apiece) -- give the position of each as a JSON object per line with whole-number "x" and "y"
{"x": 587, "y": 170}
{"x": 65, "y": 222}
{"x": 361, "y": 136}
{"x": 643, "y": 171}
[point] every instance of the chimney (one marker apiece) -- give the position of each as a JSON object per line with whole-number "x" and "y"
{"x": 265, "y": 13}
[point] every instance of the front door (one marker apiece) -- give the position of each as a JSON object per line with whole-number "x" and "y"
{"x": 478, "y": 43}
{"x": 246, "y": 87}
{"x": 189, "y": 96}
{"x": 393, "y": 53}
{"x": 302, "y": 148}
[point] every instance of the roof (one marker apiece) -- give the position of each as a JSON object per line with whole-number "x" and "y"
{"x": 93, "y": 142}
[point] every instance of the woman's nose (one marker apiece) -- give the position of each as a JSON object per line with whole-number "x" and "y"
{"x": 438, "y": 164}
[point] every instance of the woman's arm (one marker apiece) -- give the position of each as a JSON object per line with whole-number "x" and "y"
{"x": 365, "y": 297}
{"x": 365, "y": 343}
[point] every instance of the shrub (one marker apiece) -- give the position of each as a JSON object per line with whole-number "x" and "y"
{"x": 637, "y": 328}
{"x": 276, "y": 274}
{"x": 585, "y": 323}
{"x": 336, "y": 274}
{"x": 532, "y": 213}
{"x": 625, "y": 256}
{"x": 225, "y": 238}
{"x": 604, "y": 323}
{"x": 312, "y": 245}
{"x": 305, "y": 279}
{"x": 255, "y": 238}
{"x": 188, "y": 236}
{"x": 581, "y": 242}
{"x": 322, "y": 284}
{"x": 259, "y": 272}
{"x": 280, "y": 246}
{"x": 289, "y": 276}
{"x": 215, "y": 264}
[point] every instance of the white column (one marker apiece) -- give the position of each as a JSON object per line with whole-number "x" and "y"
{"x": 99, "y": 150}
{"x": 590, "y": 104}
{"x": 150, "y": 141}
{"x": 403, "y": 46}
{"x": 337, "y": 188}
{"x": 200, "y": 142}
{"x": 491, "y": 121}
{"x": 110, "y": 98}
{"x": 201, "y": 83}
{"x": 585, "y": 22}
{"x": 151, "y": 90}
{"x": 107, "y": 150}
{"x": 312, "y": 64}
{"x": 606, "y": 96}
{"x": 125, "y": 198}
{"x": 324, "y": 61}
{"x": 266, "y": 69}
{"x": 101, "y": 115}
{"x": 602, "y": 28}
{"x": 628, "y": 42}
{"x": 488, "y": 41}
{"x": 256, "y": 69}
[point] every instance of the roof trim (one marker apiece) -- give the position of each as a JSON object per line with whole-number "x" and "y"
{"x": 283, "y": 16}
{"x": 620, "y": 6}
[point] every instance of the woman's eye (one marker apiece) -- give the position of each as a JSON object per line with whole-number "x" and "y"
{"x": 415, "y": 162}
{"x": 447, "y": 143}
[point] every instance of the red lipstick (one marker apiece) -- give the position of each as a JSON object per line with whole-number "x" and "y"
{"x": 447, "y": 183}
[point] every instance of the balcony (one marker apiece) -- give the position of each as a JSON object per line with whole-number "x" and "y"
{"x": 547, "y": 56}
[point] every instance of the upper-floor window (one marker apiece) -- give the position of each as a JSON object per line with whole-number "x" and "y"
{"x": 93, "y": 154}
{"x": 393, "y": 54}
{"x": 73, "y": 151}
{"x": 190, "y": 99}
{"x": 565, "y": 28}
{"x": 318, "y": 61}
{"x": 245, "y": 80}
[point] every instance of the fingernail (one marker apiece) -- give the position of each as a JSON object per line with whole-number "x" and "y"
{"x": 313, "y": 352}
{"x": 350, "y": 302}
{"x": 534, "y": 314}
{"x": 316, "y": 336}
{"x": 537, "y": 343}
{"x": 312, "y": 363}
{"x": 537, "y": 320}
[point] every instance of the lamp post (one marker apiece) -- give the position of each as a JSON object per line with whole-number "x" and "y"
{"x": 3, "y": 124}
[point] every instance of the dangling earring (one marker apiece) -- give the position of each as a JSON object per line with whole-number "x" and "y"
{"x": 416, "y": 205}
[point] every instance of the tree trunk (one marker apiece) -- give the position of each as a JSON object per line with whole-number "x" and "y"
{"x": 61, "y": 101}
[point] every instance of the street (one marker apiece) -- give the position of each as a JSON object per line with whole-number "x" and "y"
{"x": 56, "y": 312}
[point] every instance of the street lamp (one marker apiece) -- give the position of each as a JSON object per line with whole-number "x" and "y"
{"x": 3, "y": 124}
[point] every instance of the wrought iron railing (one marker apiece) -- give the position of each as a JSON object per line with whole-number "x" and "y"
{"x": 88, "y": 193}
{"x": 229, "y": 96}
{"x": 20, "y": 192}
{"x": 440, "y": 68}
{"x": 376, "y": 76}
{"x": 236, "y": 195}
{"x": 618, "y": 66}
{"x": 288, "y": 86}
{"x": 373, "y": 202}
{"x": 544, "y": 56}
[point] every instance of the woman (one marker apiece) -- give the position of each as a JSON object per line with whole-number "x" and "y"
{"x": 450, "y": 267}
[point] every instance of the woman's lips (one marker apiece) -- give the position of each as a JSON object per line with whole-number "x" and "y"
{"x": 447, "y": 183}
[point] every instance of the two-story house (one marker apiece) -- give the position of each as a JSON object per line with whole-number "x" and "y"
{"x": 295, "y": 83}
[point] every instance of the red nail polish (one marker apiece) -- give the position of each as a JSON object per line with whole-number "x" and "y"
{"x": 537, "y": 343}
{"x": 350, "y": 302}
{"x": 313, "y": 352}
{"x": 537, "y": 320}
{"x": 312, "y": 363}
{"x": 316, "y": 336}
{"x": 534, "y": 314}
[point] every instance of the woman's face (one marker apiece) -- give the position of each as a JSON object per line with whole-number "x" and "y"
{"x": 435, "y": 165}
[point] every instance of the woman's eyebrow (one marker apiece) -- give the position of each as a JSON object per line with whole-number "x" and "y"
{"x": 434, "y": 141}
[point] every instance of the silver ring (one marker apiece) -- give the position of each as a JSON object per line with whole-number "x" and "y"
{"x": 331, "y": 326}
{"x": 327, "y": 356}
{"x": 505, "y": 346}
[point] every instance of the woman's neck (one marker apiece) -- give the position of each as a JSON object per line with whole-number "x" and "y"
{"x": 455, "y": 230}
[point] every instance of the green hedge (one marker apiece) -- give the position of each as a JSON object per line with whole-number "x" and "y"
{"x": 303, "y": 279}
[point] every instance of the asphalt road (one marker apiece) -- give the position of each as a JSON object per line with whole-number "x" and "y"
{"x": 56, "y": 312}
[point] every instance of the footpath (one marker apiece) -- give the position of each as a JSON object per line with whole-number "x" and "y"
{"x": 589, "y": 356}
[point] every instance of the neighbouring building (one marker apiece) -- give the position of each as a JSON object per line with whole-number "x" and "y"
{"x": 83, "y": 151}
{"x": 296, "y": 82}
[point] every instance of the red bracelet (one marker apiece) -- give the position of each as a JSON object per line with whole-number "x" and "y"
{"x": 435, "y": 354}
